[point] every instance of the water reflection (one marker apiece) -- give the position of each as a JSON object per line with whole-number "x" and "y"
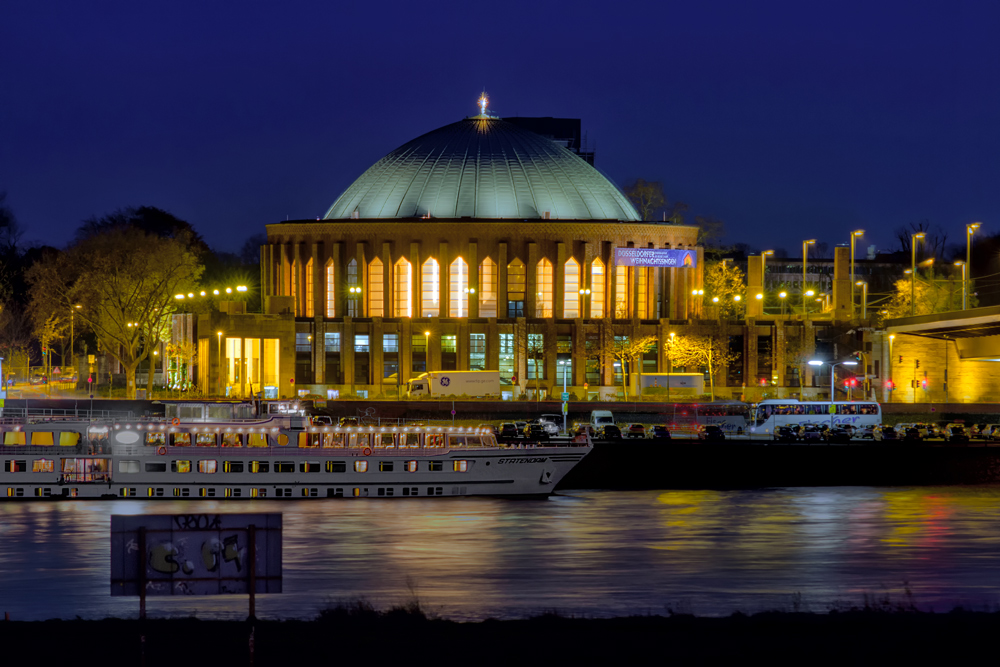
{"x": 595, "y": 553}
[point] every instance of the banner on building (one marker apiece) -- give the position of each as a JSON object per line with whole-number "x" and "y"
{"x": 658, "y": 257}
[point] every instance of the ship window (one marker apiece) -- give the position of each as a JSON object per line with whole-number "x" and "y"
{"x": 309, "y": 466}
{"x": 181, "y": 439}
{"x": 456, "y": 440}
{"x": 232, "y": 439}
{"x": 435, "y": 466}
{"x": 156, "y": 439}
{"x": 155, "y": 493}
{"x": 333, "y": 440}
{"x": 232, "y": 466}
{"x": 385, "y": 466}
{"x": 308, "y": 440}
{"x": 385, "y": 441}
{"x": 411, "y": 466}
{"x": 474, "y": 441}
{"x": 336, "y": 466}
{"x": 257, "y": 440}
{"x": 310, "y": 493}
{"x": 127, "y": 466}
{"x": 284, "y": 466}
{"x": 156, "y": 467}
{"x": 205, "y": 440}
{"x": 207, "y": 466}
{"x": 434, "y": 440}
{"x": 460, "y": 466}
{"x": 361, "y": 466}
{"x": 180, "y": 466}
{"x": 13, "y": 438}
{"x": 260, "y": 466}
{"x": 207, "y": 493}
{"x": 44, "y": 465}
{"x": 334, "y": 493}
{"x": 412, "y": 441}
{"x": 42, "y": 438}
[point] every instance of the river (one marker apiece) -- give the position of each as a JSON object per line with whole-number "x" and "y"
{"x": 583, "y": 553}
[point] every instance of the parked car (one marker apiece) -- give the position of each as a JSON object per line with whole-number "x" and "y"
{"x": 812, "y": 432}
{"x": 711, "y": 433}
{"x": 785, "y": 434}
{"x": 609, "y": 432}
{"x": 535, "y": 431}
{"x": 508, "y": 431}
{"x": 550, "y": 428}
{"x": 38, "y": 379}
{"x": 865, "y": 432}
{"x": 658, "y": 432}
{"x": 884, "y": 433}
{"x": 635, "y": 431}
{"x": 837, "y": 435}
{"x": 955, "y": 433}
{"x": 910, "y": 434}
{"x": 520, "y": 426}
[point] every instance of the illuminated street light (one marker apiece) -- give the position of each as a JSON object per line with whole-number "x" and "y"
{"x": 864, "y": 298}
{"x": 805, "y": 264}
{"x": 854, "y": 236}
{"x": 913, "y": 265}
{"x": 965, "y": 284}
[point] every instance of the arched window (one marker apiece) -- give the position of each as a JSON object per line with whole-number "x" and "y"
{"x": 331, "y": 295}
{"x": 296, "y": 306}
{"x": 488, "y": 288}
{"x": 402, "y": 297}
{"x": 353, "y": 290}
{"x": 571, "y": 289}
{"x": 543, "y": 288}
{"x": 597, "y": 288}
{"x": 458, "y": 299}
{"x": 376, "y": 288}
{"x": 430, "y": 289}
{"x": 310, "y": 290}
{"x": 516, "y": 286}
{"x": 621, "y": 292}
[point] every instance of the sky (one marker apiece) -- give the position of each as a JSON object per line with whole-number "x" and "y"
{"x": 786, "y": 120}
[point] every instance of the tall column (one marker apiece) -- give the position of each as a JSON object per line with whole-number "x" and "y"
{"x": 531, "y": 280}
{"x": 559, "y": 281}
{"x": 472, "y": 257}
{"x": 755, "y": 286}
{"x": 444, "y": 258}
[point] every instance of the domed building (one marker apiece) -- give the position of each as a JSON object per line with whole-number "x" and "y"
{"x": 479, "y": 245}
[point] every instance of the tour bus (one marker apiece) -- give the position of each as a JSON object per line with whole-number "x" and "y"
{"x": 773, "y": 413}
{"x": 733, "y": 417}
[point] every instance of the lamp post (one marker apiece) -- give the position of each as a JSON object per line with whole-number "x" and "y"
{"x": 585, "y": 303}
{"x": 670, "y": 364}
{"x": 833, "y": 367}
{"x": 854, "y": 235}
{"x": 864, "y": 298}
{"x": 782, "y": 296}
{"x": 219, "y": 334}
{"x": 970, "y": 229}
{"x": 965, "y": 284}
{"x": 565, "y": 363}
{"x": 72, "y": 355}
{"x": 427, "y": 352}
{"x": 763, "y": 267}
{"x": 805, "y": 264}
{"x": 892, "y": 389}
{"x": 913, "y": 269}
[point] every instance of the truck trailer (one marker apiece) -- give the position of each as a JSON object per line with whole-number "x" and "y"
{"x": 447, "y": 384}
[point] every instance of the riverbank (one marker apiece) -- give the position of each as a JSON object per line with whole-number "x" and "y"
{"x": 856, "y": 637}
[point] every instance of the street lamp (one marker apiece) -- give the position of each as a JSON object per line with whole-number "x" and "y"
{"x": 892, "y": 337}
{"x": 965, "y": 284}
{"x": 585, "y": 302}
{"x": 670, "y": 364}
{"x": 72, "y": 354}
{"x": 913, "y": 268}
{"x": 427, "y": 352}
{"x": 782, "y": 296}
{"x": 864, "y": 298}
{"x": 854, "y": 235}
{"x": 219, "y": 334}
{"x": 970, "y": 229}
{"x": 817, "y": 362}
{"x": 565, "y": 363}
{"x": 763, "y": 267}
{"x": 805, "y": 264}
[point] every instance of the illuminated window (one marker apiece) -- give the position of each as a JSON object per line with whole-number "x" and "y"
{"x": 336, "y": 466}
{"x": 361, "y": 466}
{"x": 260, "y": 466}
{"x": 488, "y": 288}
{"x": 410, "y": 466}
{"x": 353, "y": 299}
{"x": 449, "y": 343}
{"x": 180, "y": 466}
{"x": 207, "y": 466}
{"x": 460, "y": 466}
{"x": 458, "y": 300}
{"x": 430, "y": 289}
{"x": 402, "y": 285}
{"x": 543, "y": 289}
{"x": 232, "y": 439}
{"x": 621, "y": 292}
{"x": 571, "y": 291}
{"x": 331, "y": 295}
{"x": 295, "y": 287}
{"x": 232, "y": 466}
{"x": 516, "y": 285}
{"x": 310, "y": 295}
{"x": 376, "y": 287}
{"x": 48, "y": 465}
{"x": 204, "y": 440}
{"x": 597, "y": 288}
{"x": 642, "y": 274}
{"x": 536, "y": 356}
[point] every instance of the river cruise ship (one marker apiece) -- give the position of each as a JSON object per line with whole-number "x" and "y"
{"x": 275, "y": 457}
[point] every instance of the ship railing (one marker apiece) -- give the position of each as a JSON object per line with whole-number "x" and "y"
{"x": 36, "y": 415}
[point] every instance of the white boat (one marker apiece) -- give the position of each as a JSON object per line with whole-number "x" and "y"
{"x": 279, "y": 457}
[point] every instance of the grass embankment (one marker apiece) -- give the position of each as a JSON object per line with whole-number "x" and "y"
{"x": 407, "y": 636}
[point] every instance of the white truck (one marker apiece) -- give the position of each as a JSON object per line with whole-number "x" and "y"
{"x": 444, "y": 384}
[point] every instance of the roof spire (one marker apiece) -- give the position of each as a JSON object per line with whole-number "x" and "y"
{"x": 484, "y": 104}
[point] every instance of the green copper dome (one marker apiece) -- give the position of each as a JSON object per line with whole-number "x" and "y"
{"x": 482, "y": 167}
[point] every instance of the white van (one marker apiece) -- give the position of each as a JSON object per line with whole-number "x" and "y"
{"x": 601, "y": 418}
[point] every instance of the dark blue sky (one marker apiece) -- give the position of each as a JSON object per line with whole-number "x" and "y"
{"x": 787, "y": 120}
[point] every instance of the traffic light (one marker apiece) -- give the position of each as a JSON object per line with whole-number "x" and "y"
{"x": 923, "y": 384}
{"x": 916, "y": 363}
{"x": 900, "y": 358}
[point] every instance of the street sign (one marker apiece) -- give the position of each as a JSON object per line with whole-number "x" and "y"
{"x": 565, "y": 396}
{"x": 195, "y": 554}
{"x": 453, "y": 413}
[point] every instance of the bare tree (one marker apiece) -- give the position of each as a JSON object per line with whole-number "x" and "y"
{"x": 932, "y": 245}
{"x": 646, "y": 196}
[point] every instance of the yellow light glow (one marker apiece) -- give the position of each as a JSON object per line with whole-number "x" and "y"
{"x": 810, "y": 293}
{"x": 782, "y": 295}
{"x": 483, "y": 102}
{"x": 229, "y": 290}
{"x": 179, "y": 296}
{"x": 215, "y": 292}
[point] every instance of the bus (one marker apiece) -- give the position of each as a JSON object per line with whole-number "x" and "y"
{"x": 773, "y": 413}
{"x": 733, "y": 417}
